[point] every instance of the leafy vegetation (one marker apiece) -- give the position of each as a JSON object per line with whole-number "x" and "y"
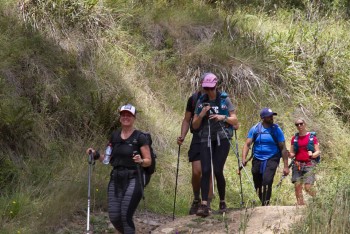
{"x": 66, "y": 66}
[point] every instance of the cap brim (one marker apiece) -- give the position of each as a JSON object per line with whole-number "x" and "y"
{"x": 268, "y": 115}
{"x": 208, "y": 85}
{"x": 127, "y": 111}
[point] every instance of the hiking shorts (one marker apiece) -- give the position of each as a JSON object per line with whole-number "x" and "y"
{"x": 194, "y": 152}
{"x": 303, "y": 173}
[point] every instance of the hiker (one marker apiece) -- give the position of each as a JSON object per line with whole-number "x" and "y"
{"x": 214, "y": 114}
{"x": 269, "y": 146}
{"x": 194, "y": 151}
{"x": 124, "y": 190}
{"x": 305, "y": 159}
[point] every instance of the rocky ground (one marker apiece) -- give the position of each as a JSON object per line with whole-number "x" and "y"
{"x": 271, "y": 219}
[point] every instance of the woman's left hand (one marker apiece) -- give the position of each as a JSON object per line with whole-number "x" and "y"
{"x": 217, "y": 117}
{"x": 137, "y": 158}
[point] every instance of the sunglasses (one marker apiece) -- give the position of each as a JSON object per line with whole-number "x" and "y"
{"x": 207, "y": 88}
{"x": 299, "y": 124}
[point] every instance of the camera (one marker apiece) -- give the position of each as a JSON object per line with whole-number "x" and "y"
{"x": 206, "y": 104}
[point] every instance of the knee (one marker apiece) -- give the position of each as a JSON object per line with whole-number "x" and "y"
{"x": 116, "y": 221}
{"x": 218, "y": 173}
{"x": 307, "y": 188}
{"x": 197, "y": 173}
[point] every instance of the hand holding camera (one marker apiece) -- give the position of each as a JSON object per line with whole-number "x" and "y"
{"x": 205, "y": 109}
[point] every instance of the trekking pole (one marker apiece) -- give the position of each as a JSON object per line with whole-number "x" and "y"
{"x": 177, "y": 174}
{"x": 240, "y": 176}
{"x": 239, "y": 161}
{"x": 139, "y": 172}
{"x": 284, "y": 176}
{"x": 91, "y": 163}
{"x": 241, "y": 167}
{"x": 140, "y": 178}
{"x": 211, "y": 158}
{"x": 280, "y": 181}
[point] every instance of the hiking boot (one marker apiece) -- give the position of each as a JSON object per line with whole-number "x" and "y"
{"x": 222, "y": 207}
{"x": 203, "y": 211}
{"x": 194, "y": 207}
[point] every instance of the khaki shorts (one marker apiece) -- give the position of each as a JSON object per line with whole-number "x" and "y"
{"x": 304, "y": 173}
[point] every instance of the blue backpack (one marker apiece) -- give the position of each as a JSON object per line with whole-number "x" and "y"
{"x": 310, "y": 145}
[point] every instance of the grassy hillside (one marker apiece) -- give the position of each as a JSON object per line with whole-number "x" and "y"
{"x": 66, "y": 66}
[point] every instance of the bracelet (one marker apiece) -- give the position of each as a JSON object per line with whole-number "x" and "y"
{"x": 142, "y": 161}
{"x": 97, "y": 155}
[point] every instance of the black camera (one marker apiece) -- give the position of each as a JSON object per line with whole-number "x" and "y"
{"x": 206, "y": 104}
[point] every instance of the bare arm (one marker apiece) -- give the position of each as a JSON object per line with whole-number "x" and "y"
{"x": 245, "y": 150}
{"x": 197, "y": 119}
{"x": 185, "y": 126}
{"x": 317, "y": 151}
{"x": 284, "y": 152}
{"x": 146, "y": 159}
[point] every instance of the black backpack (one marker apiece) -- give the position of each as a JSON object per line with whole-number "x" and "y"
{"x": 116, "y": 139}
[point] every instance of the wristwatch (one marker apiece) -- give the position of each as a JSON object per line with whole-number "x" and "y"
{"x": 225, "y": 120}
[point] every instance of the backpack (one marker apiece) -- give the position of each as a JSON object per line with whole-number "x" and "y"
{"x": 116, "y": 139}
{"x": 310, "y": 145}
{"x": 273, "y": 135}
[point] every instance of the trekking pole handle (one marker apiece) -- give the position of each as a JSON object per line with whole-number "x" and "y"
{"x": 91, "y": 157}
{"x": 241, "y": 167}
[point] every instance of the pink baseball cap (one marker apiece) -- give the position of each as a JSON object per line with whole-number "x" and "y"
{"x": 209, "y": 80}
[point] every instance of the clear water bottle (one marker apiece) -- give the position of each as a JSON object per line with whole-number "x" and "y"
{"x": 108, "y": 153}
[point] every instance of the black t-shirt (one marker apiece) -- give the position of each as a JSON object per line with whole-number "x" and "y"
{"x": 122, "y": 152}
{"x": 191, "y": 107}
{"x": 191, "y": 103}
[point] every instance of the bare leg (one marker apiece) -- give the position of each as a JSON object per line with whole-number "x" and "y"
{"x": 299, "y": 193}
{"x": 196, "y": 178}
{"x": 310, "y": 190}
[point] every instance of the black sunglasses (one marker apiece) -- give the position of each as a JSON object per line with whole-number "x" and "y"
{"x": 207, "y": 88}
{"x": 299, "y": 124}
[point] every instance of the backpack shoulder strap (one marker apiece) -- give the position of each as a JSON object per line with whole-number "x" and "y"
{"x": 274, "y": 133}
{"x": 115, "y": 138}
{"x": 257, "y": 131}
{"x": 311, "y": 143}
{"x": 295, "y": 142}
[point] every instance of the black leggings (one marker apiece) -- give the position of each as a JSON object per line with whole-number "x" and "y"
{"x": 220, "y": 153}
{"x": 124, "y": 196}
{"x": 263, "y": 181}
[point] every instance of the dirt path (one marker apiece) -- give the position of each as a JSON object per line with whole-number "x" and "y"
{"x": 270, "y": 219}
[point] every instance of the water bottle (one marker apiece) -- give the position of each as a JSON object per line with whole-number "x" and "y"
{"x": 108, "y": 153}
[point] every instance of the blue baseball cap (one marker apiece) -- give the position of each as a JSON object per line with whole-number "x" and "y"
{"x": 266, "y": 112}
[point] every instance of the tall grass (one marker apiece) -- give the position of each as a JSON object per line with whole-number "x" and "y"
{"x": 83, "y": 59}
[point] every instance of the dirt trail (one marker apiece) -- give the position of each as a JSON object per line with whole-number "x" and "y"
{"x": 270, "y": 219}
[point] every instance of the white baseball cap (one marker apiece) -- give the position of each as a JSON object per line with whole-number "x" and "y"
{"x": 129, "y": 108}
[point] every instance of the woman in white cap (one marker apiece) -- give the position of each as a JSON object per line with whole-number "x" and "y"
{"x": 130, "y": 150}
{"x": 215, "y": 118}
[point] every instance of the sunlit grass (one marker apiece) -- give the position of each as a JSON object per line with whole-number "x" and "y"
{"x": 152, "y": 57}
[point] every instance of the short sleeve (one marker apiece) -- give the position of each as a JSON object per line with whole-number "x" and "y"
{"x": 189, "y": 107}
{"x": 251, "y": 133}
{"x": 229, "y": 104}
{"x": 292, "y": 141}
{"x": 280, "y": 135}
{"x": 143, "y": 140}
